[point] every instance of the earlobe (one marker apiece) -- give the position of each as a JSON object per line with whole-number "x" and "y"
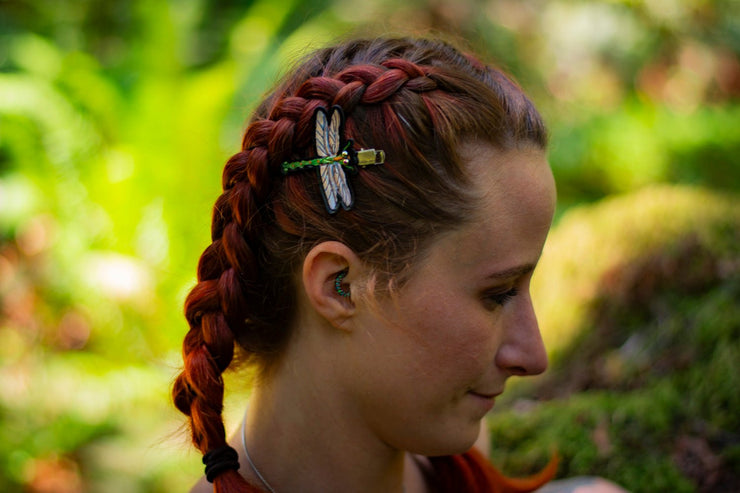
{"x": 329, "y": 270}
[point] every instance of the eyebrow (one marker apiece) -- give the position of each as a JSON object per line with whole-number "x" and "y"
{"x": 517, "y": 271}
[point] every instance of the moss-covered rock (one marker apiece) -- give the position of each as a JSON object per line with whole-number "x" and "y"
{"x": 639, "y": 301}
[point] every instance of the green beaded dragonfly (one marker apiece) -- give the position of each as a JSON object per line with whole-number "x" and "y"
{"x": 332, "y": 163}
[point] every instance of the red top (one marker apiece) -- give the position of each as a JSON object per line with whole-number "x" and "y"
{"x": 471, "y": 472}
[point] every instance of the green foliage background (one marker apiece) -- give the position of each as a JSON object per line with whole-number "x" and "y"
{"x": 116, "y": 119}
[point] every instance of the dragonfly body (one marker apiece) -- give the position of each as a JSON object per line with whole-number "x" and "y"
{"x": 332, "y": 162}
{"x": 333, "y": 179}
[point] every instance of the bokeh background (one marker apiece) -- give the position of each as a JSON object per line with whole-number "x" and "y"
{"x": 116, "y": 119}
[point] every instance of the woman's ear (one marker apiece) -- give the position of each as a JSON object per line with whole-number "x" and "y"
{"x": 329, "y": 271}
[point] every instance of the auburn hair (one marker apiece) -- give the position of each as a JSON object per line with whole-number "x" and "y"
{"x": 416, "y": 99}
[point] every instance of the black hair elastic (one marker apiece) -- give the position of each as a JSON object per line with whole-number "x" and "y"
{"x": 219, "y": 460}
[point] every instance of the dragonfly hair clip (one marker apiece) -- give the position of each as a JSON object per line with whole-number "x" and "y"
{"x": 332, "y": 162}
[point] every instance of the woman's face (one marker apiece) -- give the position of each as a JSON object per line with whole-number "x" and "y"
{"x": 429, "y": 362}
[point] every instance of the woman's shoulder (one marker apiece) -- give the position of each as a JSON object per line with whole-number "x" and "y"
{"x": 202, "y": 486}
{"x": 581, "y": 484}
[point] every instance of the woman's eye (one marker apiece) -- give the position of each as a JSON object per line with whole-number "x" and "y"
{"x": 500, "y": 298}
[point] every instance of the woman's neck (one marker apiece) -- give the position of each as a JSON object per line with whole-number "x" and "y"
{"x": 305, "y": 434}
{"x": 300, "y": 440}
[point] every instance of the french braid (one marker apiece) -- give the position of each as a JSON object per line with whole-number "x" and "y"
{"x": 416, "y": 99}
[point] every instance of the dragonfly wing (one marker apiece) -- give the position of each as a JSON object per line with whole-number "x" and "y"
{"x": 333, "y": 133}
{"x": 339, "y": 179}
{"x": 327, "y": 184}
{"x": 333, "y": 179}
{"x": 322, "y": 134}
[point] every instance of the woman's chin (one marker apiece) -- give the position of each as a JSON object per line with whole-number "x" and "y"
{"x": 452, "y": 445}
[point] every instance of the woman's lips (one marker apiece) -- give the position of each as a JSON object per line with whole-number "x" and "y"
{"x": 484, "y": 395}
{"x": 484, "y": 399}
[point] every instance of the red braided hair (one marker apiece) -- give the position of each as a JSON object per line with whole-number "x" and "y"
{"x": 416, "y": 100}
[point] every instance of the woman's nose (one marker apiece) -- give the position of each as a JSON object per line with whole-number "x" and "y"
{"x": 522, "y": 351}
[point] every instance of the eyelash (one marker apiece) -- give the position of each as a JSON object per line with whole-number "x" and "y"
{"x": 501, "y": 299}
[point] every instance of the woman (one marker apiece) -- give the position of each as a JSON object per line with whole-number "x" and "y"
{"x": 371, "y": 257}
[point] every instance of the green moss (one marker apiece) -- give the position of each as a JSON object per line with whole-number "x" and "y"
{"x": 643, "y": 385}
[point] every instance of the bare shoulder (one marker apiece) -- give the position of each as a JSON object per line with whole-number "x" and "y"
{"x": 581, "y": 484}
{"x": 202, "y": 486}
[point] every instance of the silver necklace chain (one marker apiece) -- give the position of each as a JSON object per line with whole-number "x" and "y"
{"x": 251, "y": 463}
{"x": 249, "y": 459}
